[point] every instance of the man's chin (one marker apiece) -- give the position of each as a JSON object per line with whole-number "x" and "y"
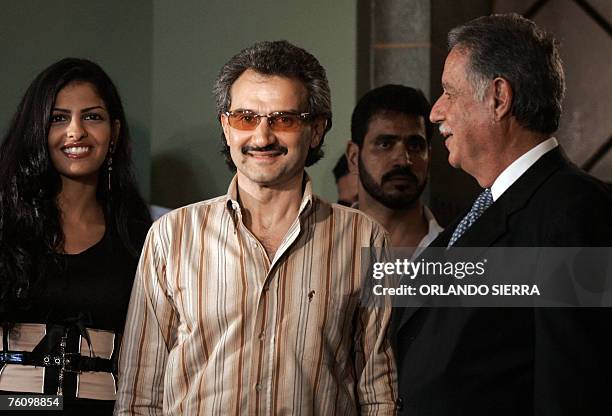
{"x": 260, "y": 178}
{"x": 400, "y": 201}
{"x": 400, "y": 205}
{"x": 453, "y": 161}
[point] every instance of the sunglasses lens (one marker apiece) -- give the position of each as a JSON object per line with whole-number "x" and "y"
{"x": 243, "y": 121}
{"x": 284, "y": 122}
{"x": 280, "y": 121}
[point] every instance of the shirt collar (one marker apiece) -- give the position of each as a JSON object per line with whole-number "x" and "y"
{"x": 232, "y": 195}
{"x": 305, "y": 205}
{"x": 433, "y": 228}
{"x": 520, "y": 166}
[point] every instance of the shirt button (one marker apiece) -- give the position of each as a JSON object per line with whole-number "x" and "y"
{"x": 258, "y": 387}
{"x": 262, "y": 337}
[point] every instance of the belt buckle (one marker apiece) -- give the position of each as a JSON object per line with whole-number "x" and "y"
{"x": 68, "y": 361}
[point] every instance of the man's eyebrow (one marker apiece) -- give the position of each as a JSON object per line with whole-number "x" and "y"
{"x": 387, "y": 137}
{"x": 272, "y": 112}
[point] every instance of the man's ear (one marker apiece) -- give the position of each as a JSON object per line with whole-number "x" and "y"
{"x": 224, "y": 125}
{"x": 318, "y": 129}
{"x": 352, "y": 156}
{"x": 503, "y": 96}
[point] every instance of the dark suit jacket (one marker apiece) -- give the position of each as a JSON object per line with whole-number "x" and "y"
{"x": 516, "y": 361}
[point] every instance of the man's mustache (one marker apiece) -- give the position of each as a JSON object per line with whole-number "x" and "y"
{"x": 268, "y": 148}
{"x": 399, "y": 171}
{"x": 445, "y": 130}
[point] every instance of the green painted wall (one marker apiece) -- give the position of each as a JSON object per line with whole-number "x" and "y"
{"x": 191, "y": 41}
{"x": 116, "y": 34}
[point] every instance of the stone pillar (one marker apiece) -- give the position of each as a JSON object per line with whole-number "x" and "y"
{"x": 401, "y": 32}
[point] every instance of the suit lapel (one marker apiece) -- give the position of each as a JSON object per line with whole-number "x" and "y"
{"x": 493, "y": 224}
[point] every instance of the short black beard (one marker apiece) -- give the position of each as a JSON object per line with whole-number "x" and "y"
{"x": 395, "y": 202}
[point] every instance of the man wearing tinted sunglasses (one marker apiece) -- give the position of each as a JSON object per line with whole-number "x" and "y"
{"x": 249, "y": 303}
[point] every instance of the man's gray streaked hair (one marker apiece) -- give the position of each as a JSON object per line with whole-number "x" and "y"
{"x": 514, "y": 48}
{"x": 284, "y": 59}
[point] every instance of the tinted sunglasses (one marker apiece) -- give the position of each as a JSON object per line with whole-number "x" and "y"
{"x": 283, "y": 121}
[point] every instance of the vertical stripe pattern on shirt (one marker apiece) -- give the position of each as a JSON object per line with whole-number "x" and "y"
{"x": 216, "y": 328}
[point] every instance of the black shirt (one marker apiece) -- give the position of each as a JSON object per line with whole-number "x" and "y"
{"x": 92, "y": 290}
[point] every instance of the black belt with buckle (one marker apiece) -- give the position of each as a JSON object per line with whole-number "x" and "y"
{"x": 71, "y": 362}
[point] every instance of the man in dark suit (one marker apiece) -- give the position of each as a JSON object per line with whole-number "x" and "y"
{"x": 503, "y": 86}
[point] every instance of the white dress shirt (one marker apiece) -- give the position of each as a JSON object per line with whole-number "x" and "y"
{"x": 520, "y": 166}
{"x": 433, "y": 228}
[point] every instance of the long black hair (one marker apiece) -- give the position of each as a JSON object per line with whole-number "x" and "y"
{"x": 31, "y": 237}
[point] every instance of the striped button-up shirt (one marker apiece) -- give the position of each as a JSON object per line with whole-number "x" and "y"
{"x": 216, "y": 328}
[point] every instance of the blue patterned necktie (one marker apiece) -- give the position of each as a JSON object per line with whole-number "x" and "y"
{"x": 484, "y": 201}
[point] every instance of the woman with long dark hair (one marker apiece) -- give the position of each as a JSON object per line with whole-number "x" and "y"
{"x": 72, "y": 224}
